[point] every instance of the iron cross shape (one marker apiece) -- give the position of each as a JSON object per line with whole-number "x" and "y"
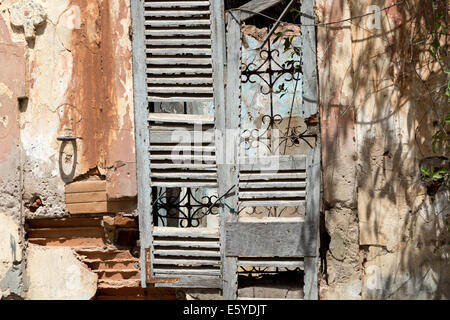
{"x": 28, "y": 15}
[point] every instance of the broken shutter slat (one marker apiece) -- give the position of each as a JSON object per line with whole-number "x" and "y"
{"x": 255, "y": 6}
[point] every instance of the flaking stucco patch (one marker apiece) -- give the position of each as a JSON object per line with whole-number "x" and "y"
{"x": 56, "y": 274}
{"x": 10, "y": 249}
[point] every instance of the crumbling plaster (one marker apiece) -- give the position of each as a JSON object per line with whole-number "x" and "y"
{"x": 12, "y": 87}
{"x": 79, "y": 84}
{"x": 388, "y": 238}
{"x": 56, "y": 274}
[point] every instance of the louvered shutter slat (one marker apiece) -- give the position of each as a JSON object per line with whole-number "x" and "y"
{"x": 178, "y": 47}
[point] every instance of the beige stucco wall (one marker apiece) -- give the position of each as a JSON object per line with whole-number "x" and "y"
{"x": 389, "y": 239}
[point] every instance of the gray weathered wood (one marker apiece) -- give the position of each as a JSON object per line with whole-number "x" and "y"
{"x": 256, "y": 6}
{"x": 271, "y": 203}
{"x": 179, "y": 51}
{"x": 178, "y": 23}
{"x": 179, "y": 80}
{"x": 153, "y": 98}
{"x": 182, "y": 136}
{"x": 184, "y": 175}
{"x": 312, "y": 219}
{"x": 195, "y": 281}
{"x": 178, "y": 42}
{"x": 183, "y": 148}
{"x": 271, "y": 194}
{"x": 178, "y": 32}
{"x": 271, "y": 263}
{"x": 210, "y": 233}
{"x": 187, "y": 244}
{"x": 255, "y": 176}
{"x": 184, "y": 184}
{"x": 176, "y": 4}
{"x": 169, "y": 272}
{"x": 193, "y": 166}
{"x": 271, "y": 184}
{"x": 180, "y": 89}
{"x": 141, "y": 135}
{"x": 310, "y": 91}
{"x": 186, "y": 262}
{"x": 267, "y": 239}
{"x": 311, "y": 287}
{"x": 272, "y": 163}
{"x": 186, "y": 253}
{"x": 178, "y": 71}
{"x": 181, "y": 118}
{"x": 179, "y": 60}
{"x": 176, "y": 14}
{"x": 229, "y": 170}
{"x": 182, "y": 157}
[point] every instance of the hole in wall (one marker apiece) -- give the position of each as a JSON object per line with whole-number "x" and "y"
{"x": 23, "y": 104}
{"x": 35, "y": 203}
{"x": 279, "y": 284}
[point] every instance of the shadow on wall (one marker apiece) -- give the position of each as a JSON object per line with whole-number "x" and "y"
{"x": 398, "y": 103}
{"x": 67, "y": 161}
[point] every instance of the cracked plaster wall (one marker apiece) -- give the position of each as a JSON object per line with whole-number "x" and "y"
{"x": 388, "y": 238}
{"x": 79, "y": 84}
{"x": 76, "y": 78}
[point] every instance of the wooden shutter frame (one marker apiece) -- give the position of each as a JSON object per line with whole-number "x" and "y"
{"x": 222, "y": 108}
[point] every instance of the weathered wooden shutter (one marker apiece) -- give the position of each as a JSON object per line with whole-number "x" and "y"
{"x": 294, "y": 182}
{"x": 174, "y": 44}
{"x": 178, "y": 47}
{"x": 179, "y": 56}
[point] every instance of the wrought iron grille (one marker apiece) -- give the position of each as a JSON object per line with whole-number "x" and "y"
{"x": 274, "y": 74}
{"x": 181, "y": 208}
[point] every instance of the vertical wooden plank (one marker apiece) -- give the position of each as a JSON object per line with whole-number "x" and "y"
{"x": 228, "y": 169}
{"x": 312, "y": 221}
{"x": 142, "y": 138}
{"x": 219, "y": 63}
{"x": 309, "y": 68}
